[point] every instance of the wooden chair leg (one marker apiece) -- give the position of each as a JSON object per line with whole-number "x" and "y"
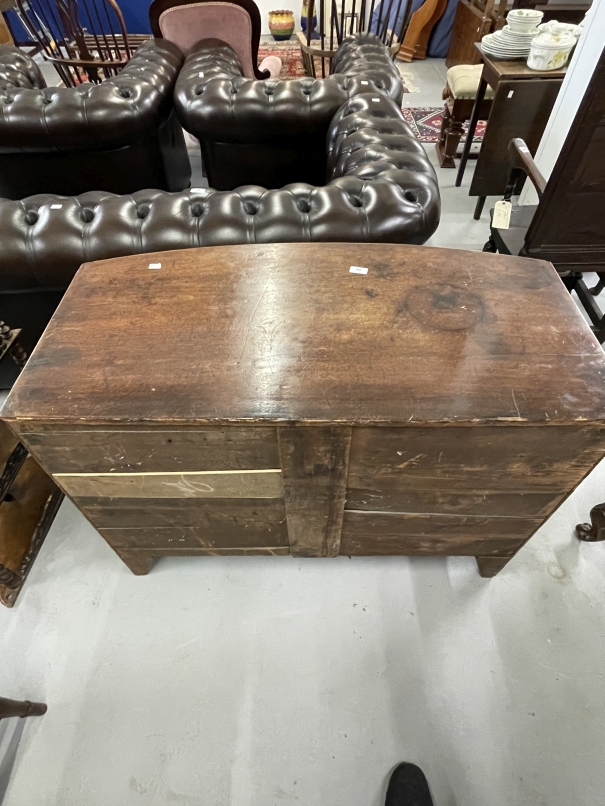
{"x": 490, "y": 566}
{"x": 21, "y": 708}
{"x": 449, "y": 139}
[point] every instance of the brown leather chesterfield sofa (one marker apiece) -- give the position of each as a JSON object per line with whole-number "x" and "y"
{"x": 273, "y": 132}
{"x": 381, "y": 188}
{"x": 121, "y": 135}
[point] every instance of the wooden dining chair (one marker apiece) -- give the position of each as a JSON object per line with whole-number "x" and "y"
{"x": 337, "y": 19}
{"x": 85, "y": 40}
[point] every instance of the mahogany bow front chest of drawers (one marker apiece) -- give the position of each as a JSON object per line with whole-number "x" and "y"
{"x": 270, "y": 400}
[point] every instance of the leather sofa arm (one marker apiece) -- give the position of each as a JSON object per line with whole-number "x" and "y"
{"x": 215, "y": 102}
{"x": 365, "y": 56}
{"x": 382, "y": 188}
{"x": 119, "y": 111}
{"x": 17, "y": 69}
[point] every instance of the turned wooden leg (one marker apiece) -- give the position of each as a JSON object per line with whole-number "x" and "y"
{"x": 594, "y": 531}
{"x": 489, "y": 566}
{"x": 139, "y": 562}
{"x": 449, "y": 139}
{"x": 22, "y": 708}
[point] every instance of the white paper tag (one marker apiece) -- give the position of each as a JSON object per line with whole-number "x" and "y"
{"x": 376, "y": 100}
{"x": 200, "y": 75}
{"x": 510, "y": 94}
{"x": 56, "y": 206}
{"x": 155, "y": 265}
{"x": 502, "y": 211}
{"x": 365, "y": 82}
{"x": 358, "y": 270}
{"x": 198, "y": 190}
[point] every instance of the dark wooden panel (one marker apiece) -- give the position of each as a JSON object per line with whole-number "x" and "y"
{"x": 69, "y": 450}
{"x": 285, "y": 333}
{"x": 521, "y": 108}
{"x": 228, "y": 522}
{"x": 185, "y": 540}
{"x": 368, "y": 533}
{"x": 396, "y": 497}
{"x": 495, "y": 470}
{"x": 191, "y": 537}
{"x": 314, "y": 467}
{"x": 568, "y": 225}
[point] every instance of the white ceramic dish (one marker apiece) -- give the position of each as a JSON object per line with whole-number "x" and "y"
{"x": 550, "y": 51}
{"x": 555, "y": 27}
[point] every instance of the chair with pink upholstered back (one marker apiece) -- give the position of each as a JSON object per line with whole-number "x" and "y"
{"x": 236, "y": 22}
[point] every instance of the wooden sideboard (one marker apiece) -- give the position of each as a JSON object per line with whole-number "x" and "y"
{"x": 265, "y": 399}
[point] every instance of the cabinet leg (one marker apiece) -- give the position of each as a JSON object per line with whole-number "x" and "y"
{"x": 139, "y": 562}
{"x": 21, "y": 708}
{"x": 594, "y": 531}
{"x": 489, "y": 566}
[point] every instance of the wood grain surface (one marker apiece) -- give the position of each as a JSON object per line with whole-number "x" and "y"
{"x": 394, "y": 533}
{"x": 205, "y": 484}
{"x": 458, "y": 470}
{"x": 285, "y": 332}
{"x": 118, "y": 449}
{"x": 314, "y": 462}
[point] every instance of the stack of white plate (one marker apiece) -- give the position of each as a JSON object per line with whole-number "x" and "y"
{"x": 508, "y": 44}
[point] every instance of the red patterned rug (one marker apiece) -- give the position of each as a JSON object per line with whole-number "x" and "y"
{"x": 425, "y": 122}
{"x": 289, "y": 53}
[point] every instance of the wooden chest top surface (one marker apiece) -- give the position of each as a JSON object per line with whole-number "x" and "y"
{"x": 286, "y": 332}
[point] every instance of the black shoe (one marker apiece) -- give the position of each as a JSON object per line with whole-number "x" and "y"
{"x": 408, "y": 787}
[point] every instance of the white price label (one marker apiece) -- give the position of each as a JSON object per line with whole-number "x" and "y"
{"x": 376, "y": 100}
{"x": 365, "y": 82}
{"x": 200, "y": 75}
{"x": 502, "y": 211}
{"x": 155, "y": 265}
{"x": 56, "y": 206}
{"x": 198, "y": 190}
{"x": 358, "y": 270}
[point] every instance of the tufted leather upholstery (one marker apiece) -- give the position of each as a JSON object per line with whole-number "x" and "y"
{"x": 382, "y": 188}
{"x": 273, "y": 132}
{"x": 64, "y": 139}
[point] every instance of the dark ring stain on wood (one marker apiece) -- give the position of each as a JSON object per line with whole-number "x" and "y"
{"x": 445, "y": 307}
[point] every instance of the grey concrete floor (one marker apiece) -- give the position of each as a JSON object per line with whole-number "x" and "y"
{"x": 268, "y": 681}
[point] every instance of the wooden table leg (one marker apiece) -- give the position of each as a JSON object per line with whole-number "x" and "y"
{"x": 21, "y": 708}
{"x": 481, "y": 89}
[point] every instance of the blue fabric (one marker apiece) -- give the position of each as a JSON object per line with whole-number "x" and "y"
{"x": 135, "y": 12}
{"x": 136, "y": 15}
{"x": 439, "y": 41}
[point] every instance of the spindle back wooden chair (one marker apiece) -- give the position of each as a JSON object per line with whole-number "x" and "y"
{"x": 338, "y": 19}
{"x": 85, "y": 40}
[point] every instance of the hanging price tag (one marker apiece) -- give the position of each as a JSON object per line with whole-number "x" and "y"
{"x": 502, "y": 211}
